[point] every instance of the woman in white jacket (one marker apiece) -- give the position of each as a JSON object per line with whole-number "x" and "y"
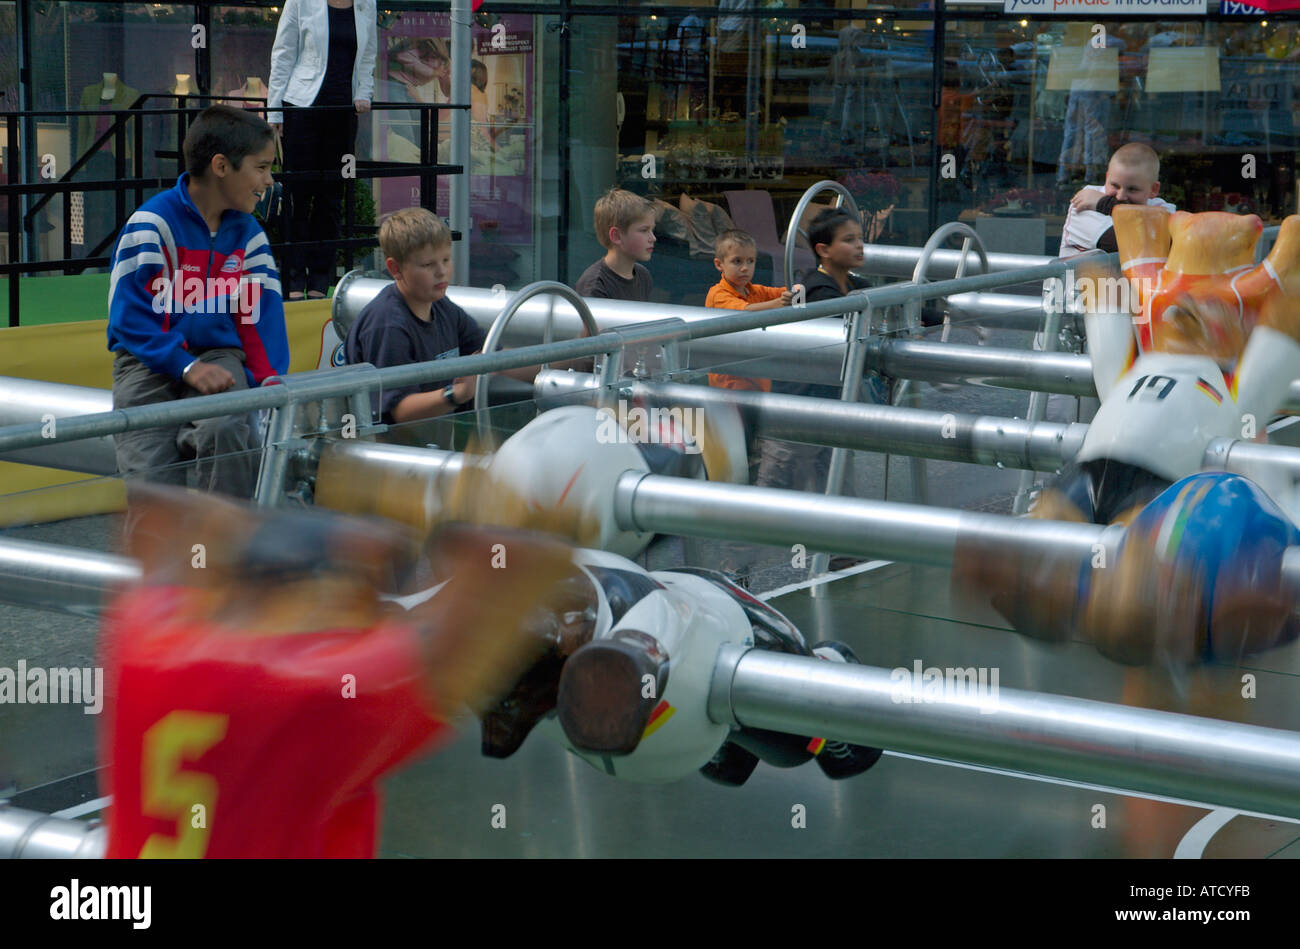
{"x": 324, "y": 54}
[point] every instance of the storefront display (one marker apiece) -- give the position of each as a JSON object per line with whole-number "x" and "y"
{"x": 416, "y": 67}
{"x": 706, "y": 103}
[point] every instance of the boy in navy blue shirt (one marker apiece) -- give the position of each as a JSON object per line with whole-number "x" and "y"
{"x": 412, "y": 320}
{"x": 194, "y": 305}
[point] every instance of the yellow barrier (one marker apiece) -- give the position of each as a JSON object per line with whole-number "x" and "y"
{"x": 77, "y": 354}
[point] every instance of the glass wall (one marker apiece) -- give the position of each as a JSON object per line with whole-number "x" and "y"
{"x": 1033, "y": 109}
{"x": 102, "y": 58}
{"x": 723, "y": 113}
{"x": 727, "y": 120}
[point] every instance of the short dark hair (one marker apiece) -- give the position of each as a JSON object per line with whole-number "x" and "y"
{"x": 824, "y": 225}
{"x": 222, "y": 130}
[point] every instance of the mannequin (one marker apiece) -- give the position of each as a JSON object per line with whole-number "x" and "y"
{"x": 185, "y": 85}
{"x": 253, "y": 88}
{"x": 109, "y": 94}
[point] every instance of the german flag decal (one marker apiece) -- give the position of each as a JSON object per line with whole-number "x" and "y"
{"x": 1209, "y": 390}
{"x": 663, "y": 711}
{"x": 816, "y": 746}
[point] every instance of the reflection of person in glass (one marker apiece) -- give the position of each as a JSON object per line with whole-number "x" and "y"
{"x": 479, "y": 114}
{"x": 324, "y": 55}
{"x": 413, "y": 67}
{"x": 419, "y": 70}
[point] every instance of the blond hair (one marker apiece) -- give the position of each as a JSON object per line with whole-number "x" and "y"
{"x": 620, "y": 209}
{"x": 409, "y": 230}
{"x": 732, "y": 238}
{"x": 1140, "y": 158}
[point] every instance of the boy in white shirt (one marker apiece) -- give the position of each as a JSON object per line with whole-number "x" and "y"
{"x": 1132, "y": 177}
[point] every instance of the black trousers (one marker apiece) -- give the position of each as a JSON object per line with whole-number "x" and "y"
{"x": 313, "y": 210}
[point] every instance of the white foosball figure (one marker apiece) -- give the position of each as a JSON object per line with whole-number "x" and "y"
{"x": 624, "y": 679}
{"x": 566, "y": 463}
{"x": 624, "y": 682}
{"x": 1211, "y": 354}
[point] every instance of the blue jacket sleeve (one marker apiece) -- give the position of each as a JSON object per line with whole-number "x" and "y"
{"x": 140, "y": 299}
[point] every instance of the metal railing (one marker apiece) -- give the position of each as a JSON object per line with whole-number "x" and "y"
{"x": 350, "y": 380}
{"x": 126, "y": 133}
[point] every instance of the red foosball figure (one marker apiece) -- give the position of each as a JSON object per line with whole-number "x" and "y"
{"x": 260, "y": 687}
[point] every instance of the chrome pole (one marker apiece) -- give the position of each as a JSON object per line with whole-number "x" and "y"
{"x": 1038, "y": 399}
{"x": 891, "y": 261}
{"x": 493, "y": 341}
{"x": 24, "y": 401}
{"x": 1065, "y": 373}
{"x": 842, "y": 196}
{"x": 860, "y": 426}
{"x": 888, "y": 530}
{"x": 859, "y": 327}
{"x": 1227, "y": 764}
{"x": 52, "y": 577}
{"x": 34, "y": 836}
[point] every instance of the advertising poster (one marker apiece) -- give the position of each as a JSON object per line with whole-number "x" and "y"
{"x": 414, "y": 65}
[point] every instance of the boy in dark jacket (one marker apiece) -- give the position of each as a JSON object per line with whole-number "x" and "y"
{"x": 836, "y": 239}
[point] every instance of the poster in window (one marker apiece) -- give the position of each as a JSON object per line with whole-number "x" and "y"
{"x": 415, "y": 66}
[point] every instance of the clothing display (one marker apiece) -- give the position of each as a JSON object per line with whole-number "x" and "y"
{"x": 98, "y": 206}
{"x": 323, "y": 56}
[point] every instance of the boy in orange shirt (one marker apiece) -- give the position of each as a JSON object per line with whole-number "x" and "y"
{"x": 736, "y": 253}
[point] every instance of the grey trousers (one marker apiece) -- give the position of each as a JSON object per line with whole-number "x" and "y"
{"x": 219, "y": 448}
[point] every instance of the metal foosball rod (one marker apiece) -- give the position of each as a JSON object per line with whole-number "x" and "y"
{"x": 31, "y": 835}
{"x": 926, "y": 433}
{"x": 359, "y": 477}
{"x": 1245, "y": 767}
{"x": 943, "y": 436}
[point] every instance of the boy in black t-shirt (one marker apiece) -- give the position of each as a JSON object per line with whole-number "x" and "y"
{"x": 836, "y": 239}
{"x": 625, "y": 227}
{"x": 413, "y": 321}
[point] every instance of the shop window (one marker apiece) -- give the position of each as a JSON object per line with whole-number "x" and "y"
{"x": 691, "y": 109}
{"x": 1033, "y": 109}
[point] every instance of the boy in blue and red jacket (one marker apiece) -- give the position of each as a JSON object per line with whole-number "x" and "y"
{"x": 194, "y": 305}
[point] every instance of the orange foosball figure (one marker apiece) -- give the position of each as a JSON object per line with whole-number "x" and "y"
{"x": 1206, "y": 349}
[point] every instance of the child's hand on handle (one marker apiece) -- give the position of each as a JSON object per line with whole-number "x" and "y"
{"x": 786, "y": 297}
{"x": 464, "y": 388}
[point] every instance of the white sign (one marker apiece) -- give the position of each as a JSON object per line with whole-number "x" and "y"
{"x": 1150, "y": 8}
